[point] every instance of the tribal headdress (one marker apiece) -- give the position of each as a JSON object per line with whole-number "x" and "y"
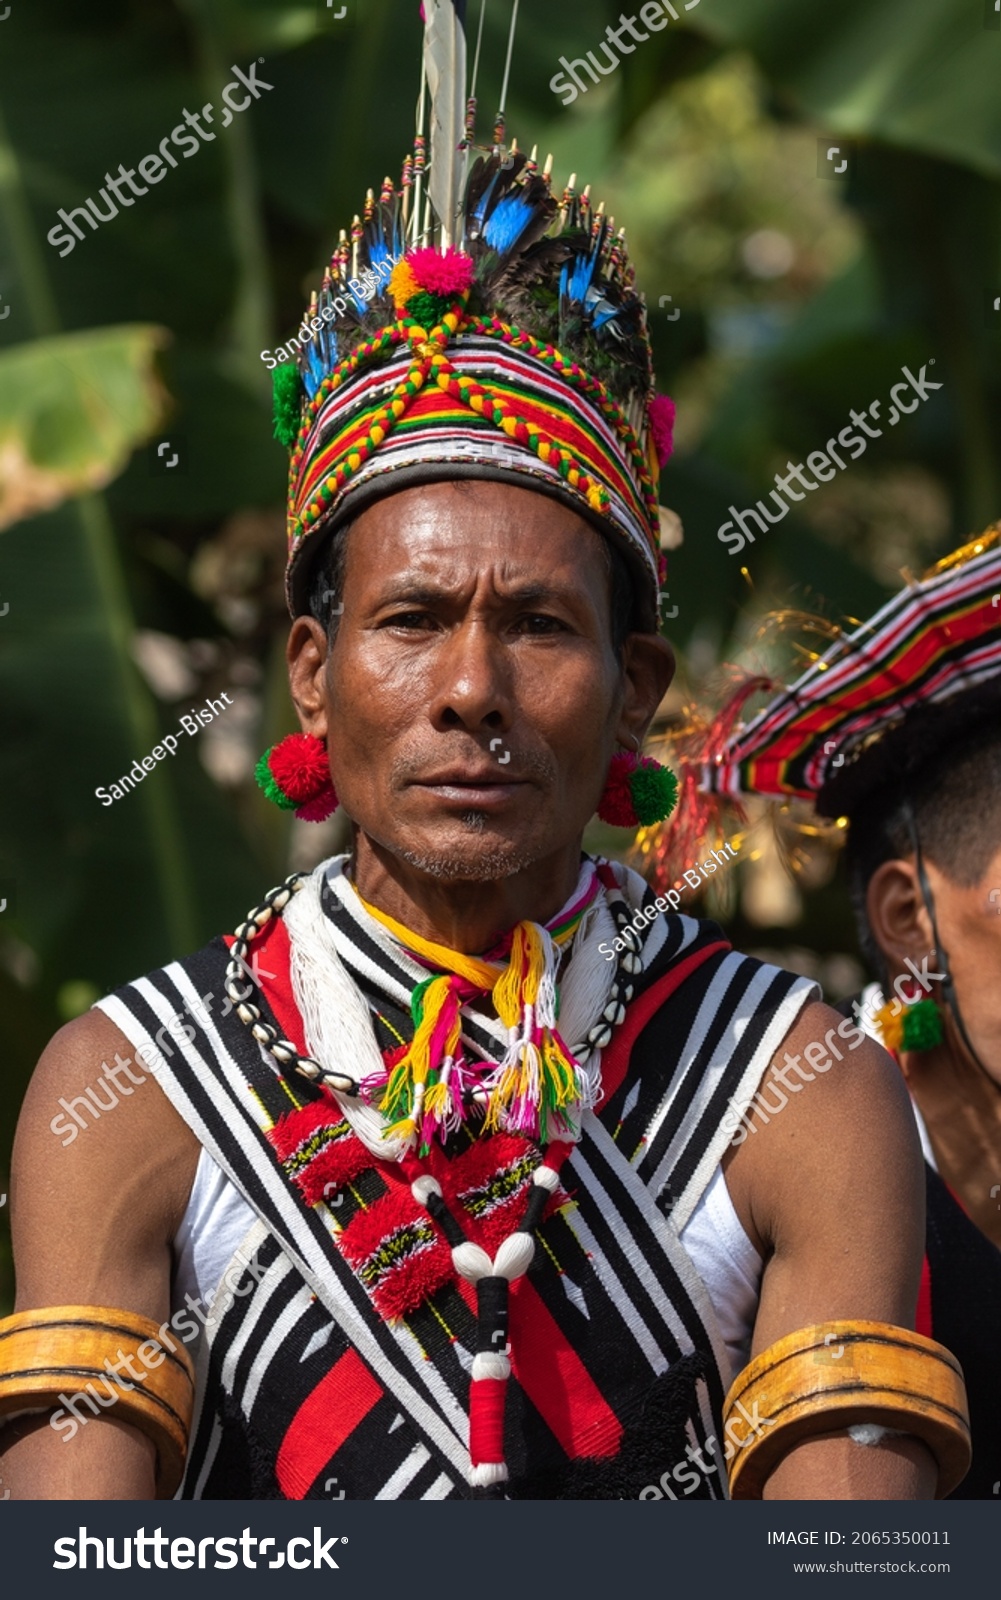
{"x": 475, "y": 325}
{"x": 875, "y": 707}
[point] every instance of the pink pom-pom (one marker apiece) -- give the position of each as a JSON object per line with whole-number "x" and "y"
{"x": 616, "y": 806}
{"x": 299, "y": 767}
{"x": 442, "y": 272}
{"x": 662, "y": 413}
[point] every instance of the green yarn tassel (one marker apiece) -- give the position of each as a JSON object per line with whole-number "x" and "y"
{"x": 266, "y": 780}
{"x": 922, "y": 1026}
{"x": 288, "y": 391}
{"x": 417, "y": 1001}
{"x": 654, "y": 793}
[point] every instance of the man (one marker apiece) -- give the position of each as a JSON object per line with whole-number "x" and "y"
{"x": 897, "y": 731}
{"x": 460, "y": 1173}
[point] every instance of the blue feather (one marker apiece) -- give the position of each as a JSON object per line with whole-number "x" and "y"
{"x": 507, "y": 224}
{"x": 575, "y": 279}
{"x": 313, "y": 373}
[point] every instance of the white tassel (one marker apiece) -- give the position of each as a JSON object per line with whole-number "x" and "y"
{"x": 486, "y": 1473}
{"x": 336, "y": 1017}
{"x": 514, "y": 1257}
{"x": 487, "y": 1364}
{"x": 472, "y": 1263}
{"x": 423, "y": 1188}
{"x": 546, "y": 1178}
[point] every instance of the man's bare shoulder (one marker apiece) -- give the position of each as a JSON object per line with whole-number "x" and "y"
{"x": 102, "y": 1170}
{"x": 826, "y": 1163}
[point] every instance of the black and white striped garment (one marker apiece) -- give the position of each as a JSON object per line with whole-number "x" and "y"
{"x": 304, "y": 1391}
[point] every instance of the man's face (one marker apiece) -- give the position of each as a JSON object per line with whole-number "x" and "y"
{"x": 472, "y": 699}
{"x": 969, "y": 924}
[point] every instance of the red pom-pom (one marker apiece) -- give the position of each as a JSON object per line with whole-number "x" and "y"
{"x": 662, "y": 413}
{"x": 443, "y": 272}
{"x": 616, "y": 806}
{"x": 299, "y": 767}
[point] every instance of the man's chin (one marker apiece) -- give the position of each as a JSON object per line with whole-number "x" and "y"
{"x": 471, "y": 850}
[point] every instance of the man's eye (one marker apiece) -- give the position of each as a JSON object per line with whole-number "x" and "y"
{"x": 407, "y": 619}
{"x": 538, "y": 622}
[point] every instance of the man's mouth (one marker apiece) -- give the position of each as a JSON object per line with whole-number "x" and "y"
{"x": 473, "y": 786}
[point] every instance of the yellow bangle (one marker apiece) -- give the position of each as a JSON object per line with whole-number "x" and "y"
{"x": 50, "y": 1357}
{"x": 829, "y": 1377}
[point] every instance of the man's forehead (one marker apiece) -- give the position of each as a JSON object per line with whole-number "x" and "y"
{"x": 514, "y": 534}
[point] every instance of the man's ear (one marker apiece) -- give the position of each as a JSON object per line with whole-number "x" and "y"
{"x": 306, "y": 653}
{"x": 896, "y": 913}
{"x": 648, "y": 665}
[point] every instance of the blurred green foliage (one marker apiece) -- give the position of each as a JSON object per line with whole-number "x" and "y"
{"x": 800, "y": 296}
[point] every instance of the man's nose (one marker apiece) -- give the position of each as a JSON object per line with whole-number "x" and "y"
{"x": 474, "y": 681}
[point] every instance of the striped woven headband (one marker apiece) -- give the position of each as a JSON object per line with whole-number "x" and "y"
{"x": 483, "y": 398}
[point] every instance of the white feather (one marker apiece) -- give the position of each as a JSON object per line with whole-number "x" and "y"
{"x": 445, "y": 67}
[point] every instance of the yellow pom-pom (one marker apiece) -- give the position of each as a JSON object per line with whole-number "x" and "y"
{"x": 402, "y": 285}
{"x": 354, "y": 461}
{"x": 378, "y": 435}
{"x": 545, "y": 451}
{"x": 596, "y": 499}
{"x": 510, "y": 426}
{"x": 476, "y": 401}
{"x": 573, "y": 477}
{"x": 890, "y": 1022}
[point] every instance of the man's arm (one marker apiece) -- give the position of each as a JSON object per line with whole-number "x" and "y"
{"x": 93, "y": 1214}
{"x": 831, "y": 1191}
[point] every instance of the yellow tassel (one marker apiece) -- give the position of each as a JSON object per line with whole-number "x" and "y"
{"x": 518, "y": 984}
{"x": 399, "y": 1088}
{"x": 436, "y": 1100}
{"x": 405, "y": 1130}
{"x": 508, "y": 990}
{"x": 558, "y": 1071}
{"x": 435, "y": 997}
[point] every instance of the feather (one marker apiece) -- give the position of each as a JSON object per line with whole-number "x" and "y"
{"x": 445, "y": 67}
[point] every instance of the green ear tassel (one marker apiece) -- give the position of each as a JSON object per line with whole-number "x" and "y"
{"x": 288, "y": 392}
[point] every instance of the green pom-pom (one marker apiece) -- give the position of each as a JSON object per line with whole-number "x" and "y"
{"x": 654, "y": 793}
{"x": 288, "y": 392}
{"x": 427, "y": 310}
{"x": 266, "y": 779}
{"x": 922, "y": 1024}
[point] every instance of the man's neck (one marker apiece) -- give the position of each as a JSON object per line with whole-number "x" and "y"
{"x": 463, "y": 915}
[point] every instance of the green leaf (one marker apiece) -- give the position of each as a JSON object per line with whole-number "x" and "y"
{"x": 918, "y": 73}
{"x": 72, "y": 410}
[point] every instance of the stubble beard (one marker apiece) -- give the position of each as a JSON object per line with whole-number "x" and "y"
{"x": 482, "y": 866}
